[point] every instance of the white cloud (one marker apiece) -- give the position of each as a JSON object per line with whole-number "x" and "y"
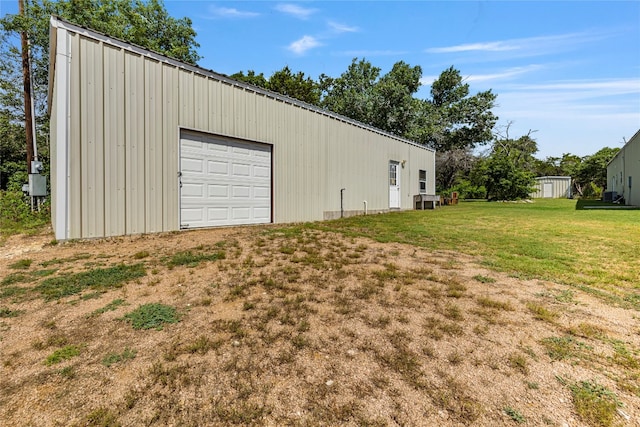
{"x": 341, "y": 28}
{"x": 529, "y": 46}
{"x": 504, "y": 75}
{"x": 295, "y": 10}
{"x": 301, "y": 46}
{"x": 228, "y": 12}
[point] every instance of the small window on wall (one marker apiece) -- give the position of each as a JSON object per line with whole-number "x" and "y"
{"x": 422, "y": 180}
{"x": 629, "y": 182}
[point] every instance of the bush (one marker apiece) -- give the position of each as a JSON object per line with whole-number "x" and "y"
{"x": 16, "y": 215}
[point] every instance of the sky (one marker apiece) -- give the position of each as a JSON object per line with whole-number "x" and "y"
{"x": 566, "y": 71}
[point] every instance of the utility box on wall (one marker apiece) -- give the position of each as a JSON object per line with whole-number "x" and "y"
{"x": 37, "y": 185}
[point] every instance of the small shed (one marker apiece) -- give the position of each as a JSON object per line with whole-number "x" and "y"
{"x": 552, "y": 187}
{"x": 142, "y": 143}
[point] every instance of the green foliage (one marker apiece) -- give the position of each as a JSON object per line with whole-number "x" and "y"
{"x": 594, "y": 403}
{"x": 192, "y": 259}
{"x": 16, "y": 215}
{"x": 113, "y": 305}
{"x": 5, "y": 312}
{"x": 142, "y": 22}
{"x": 152, "y": 316}
{"x": 99, "y": 279}
{"x": 113, "y": 358}
{"x": 65, "y": 353}
{"x": 515, "y": 415}
{"x": 295, "y": 86}
{"x": 22, "y": 264}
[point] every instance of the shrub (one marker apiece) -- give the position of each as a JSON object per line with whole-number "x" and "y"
{"x": 152, "y": 316}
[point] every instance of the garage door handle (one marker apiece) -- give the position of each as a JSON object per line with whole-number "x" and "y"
{"x": 180, "y": 179}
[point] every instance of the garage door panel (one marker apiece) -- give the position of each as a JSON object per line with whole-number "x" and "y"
{"x": 192, "y": 165}
{"x": 217, "y": 191}
{"x": 262, "y": 193}
{"x": 224, "y": 182}
{"x": 241, "y": 192}
{"x": 241, "y": 169}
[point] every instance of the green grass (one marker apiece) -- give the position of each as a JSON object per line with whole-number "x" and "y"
{"x": 152, "y": 316}
{"x": 592, "y": 250}
{"x": 594, "y": 403}
{"x": 98, "y": 279}
{"x": 65, "y": 353}
{"x": 113, "y": 305}
{"x": 113, "y": 358}
{"x": 192, "y": 259}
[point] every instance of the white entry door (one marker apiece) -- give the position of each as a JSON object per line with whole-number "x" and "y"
{"x": 223, "y": 181}
{"x": 394, "y": 185}
{"x": 547, "y": 190}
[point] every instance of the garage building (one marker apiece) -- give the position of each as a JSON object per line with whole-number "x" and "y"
{"x": 143, "y": 143}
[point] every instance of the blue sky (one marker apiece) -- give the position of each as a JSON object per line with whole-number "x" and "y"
{"x": 568, "y": 70}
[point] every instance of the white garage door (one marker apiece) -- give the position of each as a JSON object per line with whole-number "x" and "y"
{"x": 223, "y": 182}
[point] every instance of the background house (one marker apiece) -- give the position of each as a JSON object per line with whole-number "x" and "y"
{"x": 142, "y": 143}
{"x": 554, "y": 187}
{"x": 623, "y": 173}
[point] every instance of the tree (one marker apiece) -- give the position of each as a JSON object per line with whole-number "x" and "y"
{"x": 252, "y": 78}
{"x": 453, "y": 119}
{"x": 295, "y": 86}
{"x": 145, "y": 23}
{"x": 592, "y": 172}
{"x": 508, "y": 172}
{"x": 352, "y": 93}
{"x": 453, "y": 166}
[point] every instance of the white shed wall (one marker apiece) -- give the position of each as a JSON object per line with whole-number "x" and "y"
{"x": 118, "y": 141}
{"x": 560, "y": 187}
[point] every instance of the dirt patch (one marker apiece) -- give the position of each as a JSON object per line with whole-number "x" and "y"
{"x": 294, "y": 326}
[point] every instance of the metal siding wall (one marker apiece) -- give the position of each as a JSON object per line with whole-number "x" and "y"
{"x": 129, "y": 153}
{"x": 75, "y": 159}
{"x": 134, "y": 106}
{"x": 114, "y": 153}
{"x": 201, "y": 102}
{"x": 153, "y": 124}
{"x": 92, "y": 142}
{"x": 170, "y": 142}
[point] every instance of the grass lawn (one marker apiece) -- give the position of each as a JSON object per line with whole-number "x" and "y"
{"x": 595, "y": 250}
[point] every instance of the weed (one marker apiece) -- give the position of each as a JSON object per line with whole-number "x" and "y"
{"x": 532, "y": 385}
{"x": 455, "y": 357}
{"x": 202, "y": 345}
{"x": 623, "y": 357}
{"x": 494, "y": 304}
{"x": 594, "y": 403}
{"x": 519, "y": 363}
{"x": 484, "y": 279}
{"x": 101, "y": 417}
{"x": 5, "y": 312}
{"x": 22, "y": 264}
{"x": 565, "y": 296}
{"x": 12, "y": 292}
{"x": 288, "y": 250}
{"x": 152, "y": 316}
{"x": 514, "y": 414}
{"x": 113, "y": 305}
{"x": 14, "y": 278}
{"x": 455, "y": 289}
{"x": 65, "y": 353}
{"x": 141, "y": 255}
{"x": 453, "y": 312}
{"x": 587, "y": 330}
{"x": 542, "y": 313}
{"x": 113, "y": 358}
{"x": 560, "y": 348}
{"x": 191, "y": 259}
{"x": 67, "y": 372}
{"x": 99, "y": 279}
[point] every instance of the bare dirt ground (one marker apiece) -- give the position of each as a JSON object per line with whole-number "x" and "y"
{"x": 302, "y": 327}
